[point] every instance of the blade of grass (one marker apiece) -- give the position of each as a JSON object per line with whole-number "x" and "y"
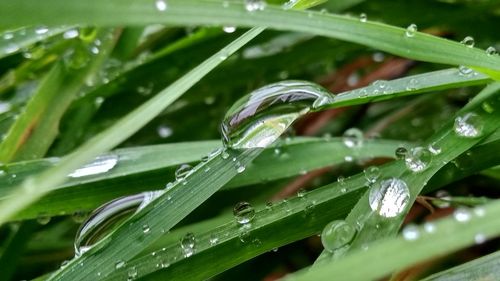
{"x": 387, "y": 38}
{"x": 18, "y": 40}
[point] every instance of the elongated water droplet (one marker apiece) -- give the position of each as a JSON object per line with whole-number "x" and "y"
{"x": 468, "y": 41}
{"x": 72, "y": 33}
{"x": 101, "y": 164}
{"x": 411, "y": 30}
{"x": 243, "y": 212}
{"x": 259, "y": 118}
{"x": 389, "y": 198}
{"x": 468, "y": 125}
{"x": 188, "y": 244}
{"x": 337, "y": 234}
{"x": 353, "y": 138}
{"x": 229, "y": 29}
{"x": 183, "y": 171}
{"x": 418, "y": 159}
{"x": 105, "y": 218}
{"x": 255, "y": 5}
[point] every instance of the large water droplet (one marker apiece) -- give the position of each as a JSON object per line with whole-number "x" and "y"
{"x": 105, "y": 218}
{"x": 418, "y": 159}
{"x": 101, "y": 164}
{"x": 259, "y": 118}
{"x": 255, "y": 5}
{"x": 468, "y": 125}
{"x": 353, "y": 138}
{"x": 188, "y": 244}
{"x": 243, "y": 212}
{"x": 337, "y": 234}
{"x": 389, "y": 197}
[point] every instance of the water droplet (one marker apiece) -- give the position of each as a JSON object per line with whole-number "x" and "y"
{"x": 445, "y": 198}
{"x": 239, "y": 168}
{"x": 146, "y": 229}
{"x": 164, "y": 131}
{"x": 372, "y": 173}
{"x": 468, "y": 41}
{"x": 244, "y": 235}
{"x": 132, "y": 273}
{"x": 43, "y": 219}
{"x": 119, "y": 264}
{"x": 487, "y": 107}
{"x": 161, "y": 5}
{"x": 188, "y": 244}
{"x": 101, "y": 164}
{"x": 401, "y": 152}
{"x": 229, "y": 29}
{"x": 259, "y": 118}
{"x": 353, "y": 138}
{"x": 411, "y": 30}
{"x": 243, "y": 213}
{"x": 255, "y": 5}
{"x": 429, "y": 227}
{"x": 479, "y": 211}
{"x": 462, "y": 214}
{"x": 41, "y": 30}
{"x": 105, "y": 218}
{"x": 418, "y": 159}
{"x": 11, "y": 48}
{"x": 389, "y": 197}
{"x": 363, "y": 17}
{"x": 183, "y": 171}
{"x": 490, "y": 51}
{"x": 464, "y": 71}
{"x": 479, "y": 238}
{"x": 337, "y": 234}
{"x": 411, "y": 232}
{"x": 214, "y": 239}
{"x": 71, "y": 33}
{"x": 413, "y": 85}
{"x": 434, "y": 149}
{"x": 79, "y": 216}
{"x": 468, "y": 125}
{"x": 225, "y": 154}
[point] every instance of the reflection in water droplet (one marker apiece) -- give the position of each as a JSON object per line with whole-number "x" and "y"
{"x": 105, "y": 218}
{"x": 469, "y": 125}
{"x": 188, "y": 244}
{"x": 243, "y": 212}
{"x": 337, "y": 234}
{"x": 259, "y": 118}
{"x": 101, "y": 164}
{"x": 389, "y": 198}
{"x": 418, "y": 159}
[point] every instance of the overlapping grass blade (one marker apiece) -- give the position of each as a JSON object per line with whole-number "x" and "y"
{"x": 387, "y": 38}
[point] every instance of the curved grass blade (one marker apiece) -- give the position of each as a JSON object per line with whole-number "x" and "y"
{"x": 273, "y": 227}
{"x": 483, "y": 268}
{"x": 399, "y": 252}
{"x": 373, "y": 226}
{"x": 17, "y": 40}
{"x": 420, "y": 46}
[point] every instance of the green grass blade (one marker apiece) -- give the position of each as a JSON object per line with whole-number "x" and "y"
{"x": 484, "y": 268}
{"x": 372, "y": 226}
{"x": 18, "y": 40}
{"x": 387, "y": 38}
{"x": 399, "y": 252}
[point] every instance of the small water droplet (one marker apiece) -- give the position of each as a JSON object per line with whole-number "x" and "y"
{"x": 183, "y": 171}
{"x": 353, "y": 138}
{"x": 244, "y": 235}
{"x": 161, "y": 5}
{"x": 41, "y": 30}
{"x": 164, "y": 131}
{"x": 464, "y": 71}
{"x": 411, "y": 30}
{"x": 418, "y": 159}
{"x": 229, "y": 29}
{"x": 487, "y": 107}
{"x": 389, "y": 197}
{"x": 445, "y": 198}
{"x": 479, "y": 238}
{"x": 71, "y": 33}
{"x": 119, "y": 264}
{"x": 337, "y": 234}
{"x": 239, "y": 168}
{"x": 491, "y": 51}
{"x": 255, "y": 5}
{"x": 43, "y": 218}
{"x": 372, "y": 173}
{"x": 188, "y": 244}
{"x": 479, "y": 211}
{"x": 259, "y": 118}
{"x": 429, "y": 227}
{"x": 132, "y": 273}
{"x": 434, "y": 149}
{"x": 413, "y": 85}
{"x": 101, "y": 164}
{"x": 362, "y": 17}
{"x": 468, "y": 41}
{"x": 468, "y": 125}
{"x": 462, "y": 214}
{"x": 243, "y": 213}
{"x": 146, "y": 229}
{"x": 411, "y": 232}
{"x": 401, "y": 152}
{"x": 79, "y": 216}
{"x": 214, "y": 239}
